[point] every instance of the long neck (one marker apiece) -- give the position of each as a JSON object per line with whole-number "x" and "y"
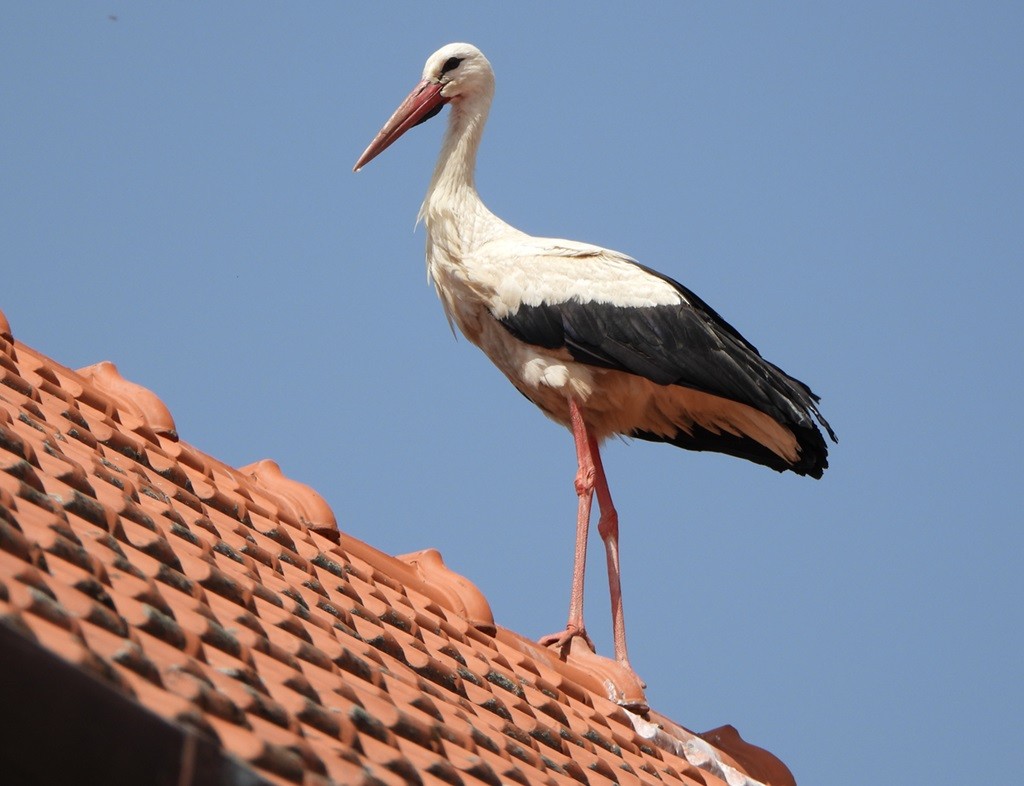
{"x": 452, "y": 195}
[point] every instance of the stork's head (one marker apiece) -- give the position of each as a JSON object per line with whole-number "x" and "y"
{"x": 456, "y": 73}
{"x": 461, "y": 70}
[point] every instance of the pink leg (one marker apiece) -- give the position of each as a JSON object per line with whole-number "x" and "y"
{"x": 585, "y": 475}
{"x": 608, "y": 527}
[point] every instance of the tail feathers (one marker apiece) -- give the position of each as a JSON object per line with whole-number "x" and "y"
{"x": 812, "y": 461}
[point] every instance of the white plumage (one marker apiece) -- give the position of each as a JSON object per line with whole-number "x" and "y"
{"x": 600, "y": 343}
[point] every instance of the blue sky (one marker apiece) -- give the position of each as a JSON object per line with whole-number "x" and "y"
{"x": 843, "y": 182}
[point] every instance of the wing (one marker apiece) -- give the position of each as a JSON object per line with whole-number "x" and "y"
{"x": 652, "y": 326}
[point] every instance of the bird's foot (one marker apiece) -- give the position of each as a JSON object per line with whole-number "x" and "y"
{"x": 561, "y": 640}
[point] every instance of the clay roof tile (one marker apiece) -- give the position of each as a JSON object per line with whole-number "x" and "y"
{"x": 226, "y": 602}
{"x": 136, "y": 406}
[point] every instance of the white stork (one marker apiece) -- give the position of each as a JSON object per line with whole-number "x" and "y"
{"x": 602, "y": 344}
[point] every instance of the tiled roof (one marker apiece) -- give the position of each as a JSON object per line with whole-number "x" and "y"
{"x": 208, "y": 624}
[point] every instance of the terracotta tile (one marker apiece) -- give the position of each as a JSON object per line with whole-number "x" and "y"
{"x": 145, "y": 617}
{"x": 472, "y": 661}
{"x": 119, "y": 650}
{"x": 331, "y": 576}
{"x": 209, "y": 631}
{"x": 111, "y": 491}
{"x": 367, "y": 626}
{"x": 152, "y": 506}
{"x": 545, "y": 734}
{"x": 165, "y": 656}
{"x": 31, "y": 428}
{"x": 18, "y": 393}
{"x": 382, "y": 752}
{"x": 396, "y": 597}
{"x": 273, "y": 761}
{"x": 521, "y": 752}
{"x": 344, "y": 771}
{"x": 267, "y": 544}
{"x": 544, "y": 703}
{"x": 156, "y": 699}
{"x": 134, "y": 586}
{"x": 300, "y": 684}
{"x": 414, "y": 651}
{"x": 483, "y": 695}
{"x": 40, "y": 525}
{"x": 273, "y": 732}
{"x": 183, "y": 539}
{"x": 53, "y": 399}
{"x": 108, "y": 457}
{"x": 249, "y": 638}
{"x": 306, "y": 709}
{"x": 364, "y": 664}
{"x": 488, "y": 731}
{"x": 277, "y": 584}
{"x": 454, "y": 626}
{"x": 637, "y": 761}
{"x": 29, "y": 593}
{"x": 89, "y": 577}
{"x": 90, "y": 531}
{"x": 314, "y": 596}
{"x": 208, "y": 593}
{"x": 190, "y": 525}
{"x": 372, "y": 601}
{"x": 342, "y": 595}
{"x": 414, "y": 728}
{"x": 321, "y": 541}
{"x": 377, "y": 774}
{"x": 556, "y": 760}
{"x": 200, "y": 692}
{"x": 511, "y": 770}
{"x": 9, "y": 483}
{"x": 321, "y": 650}
{"x": 293, "y": 574}
{"x": 68, "y": 471}
{"x": 61, "y": 495}
{"x": 603, "y": 777}
{"x": 406, "y": 694}
{"x": 225, "y": 511}
{"x": 274, "y": 612}
{"x": 375, "y": 713}
{"x": 69, "y": 646}
{"x": 462, "y": 725}
{"x": 425, "y": 762}
{"x": 216, "y": 581}
{"x": 275, "y": 669}
{"x": 233, "y": 681}
{"x": 428, "y": 617}
{"x": 84, "y": 606}
{"x": 232, "y": 562}
{"x": 247, "y": 546}
{"x": 323, "y": 680}
{"x": 441, "y": 648}
{"x": 145, "y": 539}
{"x": 20, "y": 554}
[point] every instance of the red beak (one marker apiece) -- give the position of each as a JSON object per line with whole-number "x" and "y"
{"x": 422, "y": 103}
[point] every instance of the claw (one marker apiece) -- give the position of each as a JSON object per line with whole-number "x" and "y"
{"x": 563, "y": 639}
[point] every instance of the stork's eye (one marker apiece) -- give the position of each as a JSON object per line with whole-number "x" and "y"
{"x": 450, "y": 64}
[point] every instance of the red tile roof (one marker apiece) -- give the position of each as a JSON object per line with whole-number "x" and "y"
{"x": 221, "y": 623}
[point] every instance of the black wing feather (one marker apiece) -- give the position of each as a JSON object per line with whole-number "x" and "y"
{"x": 687, "y": 344}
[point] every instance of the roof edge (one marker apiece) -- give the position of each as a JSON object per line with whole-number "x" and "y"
{"x": 148, "y": 748}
